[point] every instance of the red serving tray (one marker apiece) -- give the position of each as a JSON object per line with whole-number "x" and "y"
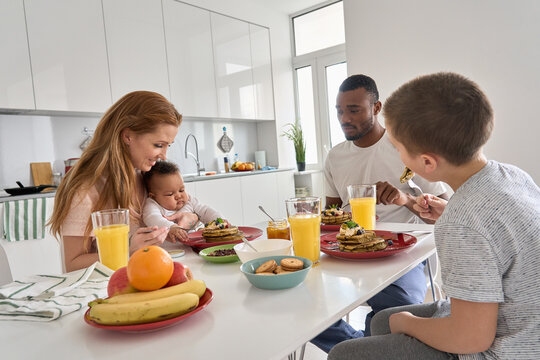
{"x": 203, "y": 302}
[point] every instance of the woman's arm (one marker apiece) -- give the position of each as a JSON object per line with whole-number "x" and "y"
{"x": 75, "y": 255}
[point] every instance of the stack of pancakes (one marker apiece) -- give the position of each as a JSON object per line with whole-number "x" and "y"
{"x": 334, "y": 216}
{"x": 354, "y": 238}
{"x": 220, "y": 231}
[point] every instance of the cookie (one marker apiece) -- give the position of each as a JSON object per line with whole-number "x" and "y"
{"x": 280, "y": 270}
{"x": 265, "y": 273}
{"x": 268, "y": 266}
{"x": 291, "y": 264}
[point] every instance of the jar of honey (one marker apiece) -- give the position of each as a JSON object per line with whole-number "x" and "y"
{"x": 278, "y": 229}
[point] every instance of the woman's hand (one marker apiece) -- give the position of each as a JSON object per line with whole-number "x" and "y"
{"x": 146, "y": 236}
{"x": 185, "y": 220}
{"x": 429, "y": 206}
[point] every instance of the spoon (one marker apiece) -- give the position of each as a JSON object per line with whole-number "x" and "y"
{"x": 262, "y": 209}
{"x": 248, "y": 244}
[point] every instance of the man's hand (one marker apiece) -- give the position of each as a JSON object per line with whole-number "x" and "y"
{"x": 185, "y": 220}
{"x": 388, "y": 194}
{"x": 429, "y": 206}
{"x": 177, "y": 234}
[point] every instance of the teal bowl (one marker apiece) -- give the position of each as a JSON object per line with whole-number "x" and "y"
{"x": 275, "y": 282}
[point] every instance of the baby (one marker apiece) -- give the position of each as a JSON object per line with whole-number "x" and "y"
{"x": 169, "y": 205}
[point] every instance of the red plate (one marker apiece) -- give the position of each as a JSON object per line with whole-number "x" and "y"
{"x": 196, "y": 239}
{"x": 330, "y": 227}
{"x": 400, "y": 241}
{"x": 203, "y": 302}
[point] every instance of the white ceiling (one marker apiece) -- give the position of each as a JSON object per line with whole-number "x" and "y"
{"x": 289, "y": 6}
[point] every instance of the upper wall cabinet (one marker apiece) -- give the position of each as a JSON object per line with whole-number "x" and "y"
{"x": 15, "y": 75}
{"x": 262, "y": 72}
{"x": 191, "y": 60}
{"x": 69, "y": 58}
{"x": 136, "y": 46}
{"x": 232, "y": 61}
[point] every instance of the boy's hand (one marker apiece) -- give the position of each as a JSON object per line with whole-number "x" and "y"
{"x": 185, "y": 220}
{"x": 387, "y": 194}
{"x": 429, "y": 206}
{"x": 399, "y": 321}
{"x": 177, "y": 234}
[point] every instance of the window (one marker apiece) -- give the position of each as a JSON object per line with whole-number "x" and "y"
{"x": 320, "y": 68}
{"x": 310, "y": 36}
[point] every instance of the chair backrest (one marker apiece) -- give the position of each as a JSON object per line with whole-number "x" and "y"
{"x": 5, "y": 271}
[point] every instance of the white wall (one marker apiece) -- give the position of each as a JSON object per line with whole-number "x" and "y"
{"x": 496, "y": 43}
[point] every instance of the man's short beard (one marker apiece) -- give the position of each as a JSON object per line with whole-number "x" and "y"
{"x": 360, "y": 135}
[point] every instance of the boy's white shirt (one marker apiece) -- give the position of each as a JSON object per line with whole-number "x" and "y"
{"x": 154, "y": 214}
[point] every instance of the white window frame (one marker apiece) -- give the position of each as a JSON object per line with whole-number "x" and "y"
{"x": 319, "y": 60}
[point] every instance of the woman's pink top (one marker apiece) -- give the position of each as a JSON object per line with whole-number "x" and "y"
{"x": 83, "y": 203}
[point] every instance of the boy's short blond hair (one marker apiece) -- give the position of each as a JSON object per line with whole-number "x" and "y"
{"x": 443, "y": 113}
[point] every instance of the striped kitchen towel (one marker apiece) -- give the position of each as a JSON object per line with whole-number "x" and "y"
{"x": 25, "y": 219}
{"x": 47, "y": 297}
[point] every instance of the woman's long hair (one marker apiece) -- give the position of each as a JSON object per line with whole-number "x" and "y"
{"x": 107, "y": 156}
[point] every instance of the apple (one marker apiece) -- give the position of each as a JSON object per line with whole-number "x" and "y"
{"x": 181, "y": 273}
{"x": 119, "y": 283}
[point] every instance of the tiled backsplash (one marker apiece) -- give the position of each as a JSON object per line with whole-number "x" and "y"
{"x": 25, "y": 139}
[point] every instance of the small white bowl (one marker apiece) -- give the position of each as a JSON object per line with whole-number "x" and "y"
{"x": 265, "y": 247}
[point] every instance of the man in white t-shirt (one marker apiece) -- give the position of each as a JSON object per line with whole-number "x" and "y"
{"x": 368, "y": 157}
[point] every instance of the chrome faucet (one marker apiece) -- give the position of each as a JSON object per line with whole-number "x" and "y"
{"x": 195, "y": 157}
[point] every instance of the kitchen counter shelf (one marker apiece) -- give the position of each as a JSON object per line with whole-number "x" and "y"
{"x": 192, "y": 177}
{"x": 4, "y": 197}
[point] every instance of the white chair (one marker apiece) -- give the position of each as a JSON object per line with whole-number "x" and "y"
{"x": 5, "y": 271}
{"x": 432, "y": 270}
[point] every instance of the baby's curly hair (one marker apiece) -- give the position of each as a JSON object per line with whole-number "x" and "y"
{"x": 160, "y": 168}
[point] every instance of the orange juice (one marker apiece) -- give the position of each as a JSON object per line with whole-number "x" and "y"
{"x": 113, "y": 245}
{"x": 363, "y": 212}
{"x": 305, "y": 232}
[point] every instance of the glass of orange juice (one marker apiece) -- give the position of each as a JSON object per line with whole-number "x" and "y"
{"x": 304, "y": 215}
{"x": 363, "y": 199}
{"x": 111, "y": 228}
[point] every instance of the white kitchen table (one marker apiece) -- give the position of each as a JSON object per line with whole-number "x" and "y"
{"x": 242, "y": 322}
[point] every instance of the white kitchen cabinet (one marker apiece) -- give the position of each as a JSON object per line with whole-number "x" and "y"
{"x": 68, "y": 55}
{"x": 262, "y": 72}
{"x": 223, "y": 195}
{"x": 190, "y": 58}
{"x": 136, "y": 46}
{"x": 258, "y": 190}
{"x": 285, "y": 181}
{"x": 232, "y": 61}
{"x": 15, "y": 75}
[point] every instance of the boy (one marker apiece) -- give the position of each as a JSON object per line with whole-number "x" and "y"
{"x": 169, "y": 205}
{"x": 487, "y": 237}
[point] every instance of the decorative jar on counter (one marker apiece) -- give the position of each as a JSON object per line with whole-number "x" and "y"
{"x": 278, "y": 229}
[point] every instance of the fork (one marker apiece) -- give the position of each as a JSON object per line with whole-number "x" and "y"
{"x": 416, "y": 188}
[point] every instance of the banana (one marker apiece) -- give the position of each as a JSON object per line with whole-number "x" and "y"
{"x": 143, "y": 311}
{"x": 197, "y": 287}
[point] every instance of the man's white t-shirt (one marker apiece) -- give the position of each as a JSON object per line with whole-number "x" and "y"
{"x": 348, "y": 164}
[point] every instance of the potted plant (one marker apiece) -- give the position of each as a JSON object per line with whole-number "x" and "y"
{"x": 295, "y": 134}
